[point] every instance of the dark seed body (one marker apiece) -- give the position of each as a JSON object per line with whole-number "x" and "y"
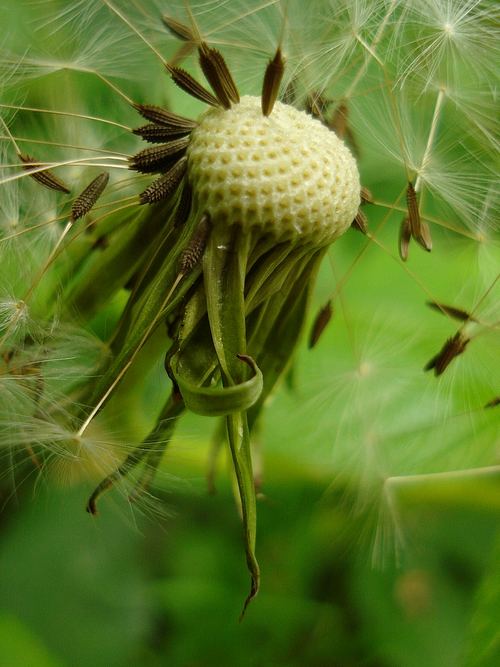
{"x": 86, "y": 200}
{"x": 166, "y": 185}
{"x": 218, "y": 75}
{"x": 160, "y": 116}
{"x": 158, "y": 158}
{"x": 452, "y": 348}
{"x": 178, "y": 29}
{"x": 360, "y": 222}
{"x": 366, "y": 196}
{"x": 320, "y": 323}
{"x": 46, "y": 178}
{"x": 194, "y": 251}
{"x": 272, "y": 80}
{"x": 404, "y": 239}
{"x": 451, "y": 311}
{"x": 493, "y": 403}
{"x": 185, "y": 81}
{"x": 157, "y": 134}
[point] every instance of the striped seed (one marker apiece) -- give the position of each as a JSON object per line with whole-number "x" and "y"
{"x": 360, "y": 222}
{"x": 404, "y": 238}
{"x": 160, "y": 116}
{"x": 366, "y": 196}
{"x": 45, "y": 178}
{"x": 320, "y": 323}
{"x": 165, "y": 186}
{"x": 196, "y": 247}
{"x": 189, "y": 85}
{"x": 219, "y": 77}
{"x": 157, "y": 134}
{"x": 178, "y": 29}
{"x": 86, "y": 200}
{"x": 451, "y": 311}
{"x": 158, "y": 158}
{"x": 453, "y": 347}
{"x": 272, "y": 80}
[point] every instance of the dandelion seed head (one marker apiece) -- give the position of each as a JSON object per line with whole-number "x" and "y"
{"x": 286, "y": 174}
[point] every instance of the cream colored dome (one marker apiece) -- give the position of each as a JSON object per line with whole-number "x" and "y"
{"x": 286, "y": 174}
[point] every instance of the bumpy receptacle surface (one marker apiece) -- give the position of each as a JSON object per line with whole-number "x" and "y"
{"x": 286, "y": 174}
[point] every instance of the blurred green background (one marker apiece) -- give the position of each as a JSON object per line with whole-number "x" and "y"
{"x": 354, "y": 572}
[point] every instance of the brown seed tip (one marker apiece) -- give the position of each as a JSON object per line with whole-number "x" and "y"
{"x": 87, "y": 199}
{"x": 196, "y": 247}
{"x": 46, "y": 177}
{"x": 404, "y": 238}
{"x": 452, "y": 348}
{"x": 178, "y": 29}
{"x": 493, "y": 403}
{"x": 320, "y": 323}
{"x": 217, "y": 73}
{"x": 272, "y": 80}
{"x": 189, "y": 85}
{"x": 360, "y": 222}
{"x": 451, "y": 311}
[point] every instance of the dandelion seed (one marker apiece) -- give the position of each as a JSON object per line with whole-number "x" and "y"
{"x": 159, "y": 158}
{"x": 218, "y": 75}
{"x": 194, "y": 251}
{"x": 451, "y": 349}
{"x": 366, "y": 196}
{"x": 167, "y": 119}
{"x": 272, "y": 80}
{"x": 88, "y": 198}
{"x": 404, "y": 238}
{"x": 46, "y": 177}
{"x": 451, "y": 311}
{"x": 320, "y": 323}
{"x": 178, "y": 29}
{"x": 493, "y": 403}
{"x": 187, "y": 83}
{"x": 360, "y": 222}
{"x": 166, "y": 185}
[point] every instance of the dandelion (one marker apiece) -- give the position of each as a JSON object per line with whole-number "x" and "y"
{"x": 217, "y": 227}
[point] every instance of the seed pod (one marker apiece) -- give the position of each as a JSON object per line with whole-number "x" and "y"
{"x": 160, "y": 116}
{"x": 493, "y": 403}
{"x": 360, "y": 222}
{"x": 185, "y": 81}
{"x": 86, "y": 200}
{"x": 320, "y": 323}
{"x": 424, "y": 237}
{"x": 451, "y": 311}
{"x": 339, "y": 121}
{"x": 194, "y": 251}
{"x": 157, "y": 134}
{"x": 366, "y": 196}
{"x": 419, "y": 230}
{"x": 218, "y": 75}
{"x": 46, "y": 177}
{"x": 166, "y": 185}
{"x": 272, "y": 80}
{"x": 158, "y": 158}
{"x": 452, "y": 348}
{"x": 178, "y": 29}
{"x": 404, "y": 239}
